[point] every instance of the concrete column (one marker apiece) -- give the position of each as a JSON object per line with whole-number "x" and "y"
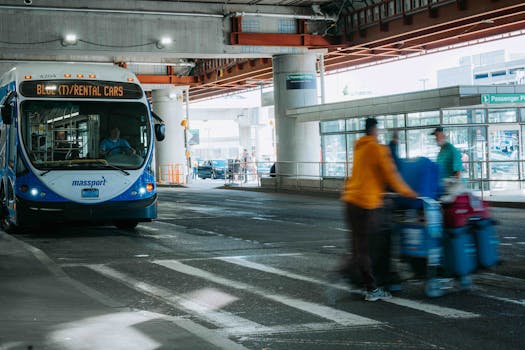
{"x": 171, "y": 153}
{"x": 295, "y": 85}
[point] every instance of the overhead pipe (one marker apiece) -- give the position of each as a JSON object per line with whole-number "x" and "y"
{"x": 110, "y": 11}
{"x": 284, "y": 15}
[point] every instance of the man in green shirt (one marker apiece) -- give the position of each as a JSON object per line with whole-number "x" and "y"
{"x": 449, "y": 158}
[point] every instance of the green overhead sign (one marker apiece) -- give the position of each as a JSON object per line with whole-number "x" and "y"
{"x": 492, "y": 99}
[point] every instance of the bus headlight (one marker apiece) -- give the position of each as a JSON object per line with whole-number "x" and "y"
{"x": 142, "y": 190}
{"x": 34, "y": 192}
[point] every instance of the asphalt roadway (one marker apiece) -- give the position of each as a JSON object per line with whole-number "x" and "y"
{"x": 228, "y": 269}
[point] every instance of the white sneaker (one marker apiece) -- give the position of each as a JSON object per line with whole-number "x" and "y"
{"x": 377, "y": 294}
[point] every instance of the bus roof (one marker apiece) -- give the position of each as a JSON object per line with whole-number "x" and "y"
{"x": 50, "y": 71}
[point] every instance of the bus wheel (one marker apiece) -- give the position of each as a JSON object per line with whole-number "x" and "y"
{"x": 126, "y": 224}
{"x": 5, "y": 223}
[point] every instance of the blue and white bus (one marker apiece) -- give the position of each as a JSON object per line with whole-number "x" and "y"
{"x": 76, "y": 144}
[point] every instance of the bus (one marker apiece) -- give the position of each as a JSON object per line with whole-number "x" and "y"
{"x": 76, "y": 145}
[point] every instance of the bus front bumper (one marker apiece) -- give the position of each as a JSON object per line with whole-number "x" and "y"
{"x": 31, "y": 213}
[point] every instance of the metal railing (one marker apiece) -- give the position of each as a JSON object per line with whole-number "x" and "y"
{"x": 482, "y": 177}
{"x": 172, "y": 174}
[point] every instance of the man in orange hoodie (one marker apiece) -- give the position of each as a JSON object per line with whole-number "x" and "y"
{"x": 373, "y": 171}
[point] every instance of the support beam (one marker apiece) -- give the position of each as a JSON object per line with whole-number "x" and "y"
{"x": 167, "y": 79}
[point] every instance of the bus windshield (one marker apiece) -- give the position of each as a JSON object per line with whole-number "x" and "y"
{"x": 85, "y": 134}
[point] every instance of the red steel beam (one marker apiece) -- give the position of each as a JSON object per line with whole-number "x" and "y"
{"x": 277, "y": 39}
{"x": 167, "y": 79}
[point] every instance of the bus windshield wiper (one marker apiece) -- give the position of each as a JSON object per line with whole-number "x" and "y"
{"x": 104, "y": 162}
{"x": 118, "y": 168}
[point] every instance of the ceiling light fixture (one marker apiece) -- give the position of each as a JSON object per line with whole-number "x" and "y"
{"x": 69, "y": 39}
{"x": 163, "y": 42}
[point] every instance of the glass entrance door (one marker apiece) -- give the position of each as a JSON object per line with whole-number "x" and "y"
{"x": 504, "y": 156}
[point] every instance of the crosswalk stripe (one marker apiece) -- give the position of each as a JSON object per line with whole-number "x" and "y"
{"x": 338, "y": 316}
{"x": 417, "y": 305}
{"x": 221, "y": 319}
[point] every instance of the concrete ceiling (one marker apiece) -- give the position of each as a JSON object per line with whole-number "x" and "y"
{"x": 220, "y": 46}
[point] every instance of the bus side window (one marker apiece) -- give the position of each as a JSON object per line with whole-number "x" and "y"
{"x": 2, "y": 145}
{"x": 12, "y": 147}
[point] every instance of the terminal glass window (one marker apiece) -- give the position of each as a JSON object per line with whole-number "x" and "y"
{"x": 463, "y": 116}
{"x": 504, "y": 156}
{"x": 350, "y": 141}
{"x": 503, "y": 115}
{"x": 423, "y": 118}
{"x": 333, "y": 126}
{"x": 393, "y": 121}
{"x": 421, "y": 144}
{"x": 355, "y": 124}
{"x": 334, "y": 155}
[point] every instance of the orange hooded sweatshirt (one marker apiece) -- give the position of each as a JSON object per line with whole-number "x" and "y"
{"x": 373, "y": 170}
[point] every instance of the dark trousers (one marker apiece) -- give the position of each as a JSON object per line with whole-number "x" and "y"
{"x": 362, "y": 222}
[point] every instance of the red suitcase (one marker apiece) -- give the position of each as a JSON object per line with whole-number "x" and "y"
{"x": 465, "y": 206}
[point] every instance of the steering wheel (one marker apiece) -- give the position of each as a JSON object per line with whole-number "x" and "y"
{"x": 127, "y": 150}
{"x": 73, "y": 154}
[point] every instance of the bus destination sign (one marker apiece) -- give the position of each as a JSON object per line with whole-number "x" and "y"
{"x": 80, "y": 89}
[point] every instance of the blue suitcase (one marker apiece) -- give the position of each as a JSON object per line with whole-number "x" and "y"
{"x": 459, "y": 251}
{"x": 487, "y": 242}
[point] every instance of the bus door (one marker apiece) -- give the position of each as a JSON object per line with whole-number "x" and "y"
{"x": 504, "y": 156}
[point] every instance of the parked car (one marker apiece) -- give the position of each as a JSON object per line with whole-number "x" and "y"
{"x": 212, "y": 169}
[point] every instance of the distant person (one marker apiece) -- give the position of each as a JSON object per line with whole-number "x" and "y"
{"x": 114, "y": 144}
{"x": 194, "y": 170}
{"x": 449, "y": 158}
{"x": 245, "y": 160}
{"x": 394, "y": 148}
{"x": 273, "y": 173}
{"x": 464, "y": 160}
{"x": 373, "y": 170}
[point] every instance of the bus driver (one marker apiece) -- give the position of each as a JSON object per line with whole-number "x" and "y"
{"x": 114, "y": 144}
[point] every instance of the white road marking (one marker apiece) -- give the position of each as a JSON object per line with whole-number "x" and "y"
{"x": 433, "y": 309}
{"x": 338, "y": 316}
{"x": 222, "y": 319}
{"x": 506, "y": 300}
{"x": 417, "y": 305}
{"x": 506, "y": 244}
{"x": 510, "y": 237}
{"x": 242, "y": 256}
{"x": 113, "y": 330}
{"x": 147, "y": 228}
{"x": 520, "y": 243}
{"x": 299, "y": 328}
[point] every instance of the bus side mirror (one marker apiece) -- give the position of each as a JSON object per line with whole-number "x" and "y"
{"x": 160, "y": 132}
{"x": 6, "y": 108}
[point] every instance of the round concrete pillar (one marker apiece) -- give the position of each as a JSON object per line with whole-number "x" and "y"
{"x": 170, "y": 153}
{"x": 295, "y": 85}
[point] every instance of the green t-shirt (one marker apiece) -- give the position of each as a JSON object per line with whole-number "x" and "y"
{"x": 449, "y": 161}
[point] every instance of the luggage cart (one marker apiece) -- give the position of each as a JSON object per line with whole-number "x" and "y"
{"x": 437, "y": 255}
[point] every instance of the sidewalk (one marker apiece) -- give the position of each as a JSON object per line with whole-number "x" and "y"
{"x": 42, "y": 308}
